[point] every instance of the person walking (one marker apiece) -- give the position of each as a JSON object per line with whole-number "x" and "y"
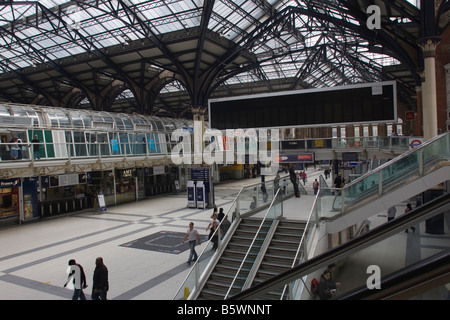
{"x": 304, "y": 176}
{"x": 192, "y": 235}
{"x": 316, "y": 186}
{"x": 78, "y": 277}
{"x": 391, "y": 213}
{"x": 220, "y": 215}
{"x": 100, "y": 281}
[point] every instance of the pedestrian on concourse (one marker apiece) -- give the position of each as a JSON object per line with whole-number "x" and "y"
{"x": 220, "y": 215}
{"x": 76, "y": 274}
{"x": 316, "y": 186}
{"x": 391, "y": 213}
{"x": 100, "y": 282}
{"x": 192, "y": 235}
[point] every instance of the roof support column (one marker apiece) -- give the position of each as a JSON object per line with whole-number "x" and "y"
{"x": 429, "y": 101}
{"x": 199, "y": 130}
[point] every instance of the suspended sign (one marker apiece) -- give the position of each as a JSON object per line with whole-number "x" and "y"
{"x": 296, "y": 158}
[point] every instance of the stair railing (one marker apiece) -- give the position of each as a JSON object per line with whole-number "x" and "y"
{"x": 250, "y": 200}
{"x": 271, "y": 215}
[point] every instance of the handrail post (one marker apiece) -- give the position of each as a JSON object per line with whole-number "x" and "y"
{"x": 380, "y": 182}
{"x": 420, "y": 161}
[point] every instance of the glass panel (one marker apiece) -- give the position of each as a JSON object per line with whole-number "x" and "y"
{"x": 138, "y": 143}
{"x": 151, "y": 143}
{"x": 70, "y": 146}
{"x": 103, "y": 142}
{"x": 240, "y": 206}
{"x": 76, "y": 120}
{"x": 124, "y": 144}
{"x": 157, "y": 146}
{"x": 259, "y": 241}
{"x": 119, "y": 123}
{"x": 79, "y": 144}
{"x": 64, "y": 121}
{"x": 115, "y": 147}
{"x": 435, "y": 152}
{"x": 128, "y": 124}
{"x": 92, "y": 144}
{"x": 388, "y": 256}
{"x": 87, "y": 119}
{"x": 48, "y": 138}
{"x": 39, "y": 148}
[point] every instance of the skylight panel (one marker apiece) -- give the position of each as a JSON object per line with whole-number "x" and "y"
{"x": 222, "y": 9}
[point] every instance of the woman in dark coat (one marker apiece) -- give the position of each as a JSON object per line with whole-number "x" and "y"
{"x": 327, "y": 287}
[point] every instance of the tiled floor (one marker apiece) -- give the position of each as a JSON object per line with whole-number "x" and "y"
{"x": 34, "y": 257}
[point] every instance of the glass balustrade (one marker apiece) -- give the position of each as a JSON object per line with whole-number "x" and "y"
{"x": 330, "y": 202}
{"x": 403, "y": 169}
{"x": 370, "y": 264}
{"x": 252, "y": 200}
{"x": 260, "y": 241}
{"x": 73, "y": 144}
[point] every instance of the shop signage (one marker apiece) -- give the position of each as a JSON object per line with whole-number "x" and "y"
{"x": 296, "y": 158}
{"x": 10, "y": 183}
{"x": 409, "y": 115}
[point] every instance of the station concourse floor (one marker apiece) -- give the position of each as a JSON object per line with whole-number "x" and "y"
{"x": 34, "y": 256}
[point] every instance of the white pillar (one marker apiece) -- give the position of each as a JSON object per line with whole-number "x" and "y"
{"x": 429, "y": 101}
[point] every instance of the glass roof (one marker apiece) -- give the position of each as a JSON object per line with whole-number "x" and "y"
{"x": 318, "y": 53}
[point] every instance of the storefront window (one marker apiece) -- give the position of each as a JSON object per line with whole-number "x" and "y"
{"x": 9, "y": 202}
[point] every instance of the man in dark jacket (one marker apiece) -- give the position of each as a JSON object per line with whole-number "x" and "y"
{"x": 293, "y": 178}
{"x": 101, "y": 284}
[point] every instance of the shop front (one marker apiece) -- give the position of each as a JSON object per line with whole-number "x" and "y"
{"x": 125, "y": 185}
{"x": 159, "y": 180}
{"x": 18, "y": 199}
{"x": 62, "y": 193}
{"x": 9, "y": 199}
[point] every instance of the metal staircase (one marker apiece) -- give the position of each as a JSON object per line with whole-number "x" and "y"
{"x": 224, "y": 272}
{"x": 280, "y": 254}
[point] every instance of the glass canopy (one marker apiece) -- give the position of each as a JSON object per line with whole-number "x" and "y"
{"x": 302, "y": 45}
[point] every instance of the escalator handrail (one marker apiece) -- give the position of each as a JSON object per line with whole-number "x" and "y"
{"x": 358, "y": 243}
{"x": 396, "y": 159}
{"x": 250, "y": 248}
{"x": 405, "y": 283}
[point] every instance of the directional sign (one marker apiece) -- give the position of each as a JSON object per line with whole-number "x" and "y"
{"x": 415, "y": 142}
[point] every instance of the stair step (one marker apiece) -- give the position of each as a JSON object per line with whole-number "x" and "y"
{"x": 279, "y": 257}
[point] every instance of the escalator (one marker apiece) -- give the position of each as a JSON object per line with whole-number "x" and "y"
{"x": 410, "y": 282}
{"x": 404, "y": 177}
{"x": 414, "y": 172}
{"x": 216, "y": 287}
{"x": 434, "y": 266}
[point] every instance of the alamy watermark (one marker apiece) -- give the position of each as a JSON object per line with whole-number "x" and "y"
{"x": 374, "y": 20}
{"x": 213, "y": 146}
{"x": 374, "y": 280}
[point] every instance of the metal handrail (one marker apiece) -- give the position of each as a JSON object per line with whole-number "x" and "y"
{"x": 342, "y": 191}
{"x": 195, "y": 266}
{"x": 253, "y": 242}
{"x": 388, "y": 229}
{"x": 396, "y": 159}
{"x": 302, "y": 240}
